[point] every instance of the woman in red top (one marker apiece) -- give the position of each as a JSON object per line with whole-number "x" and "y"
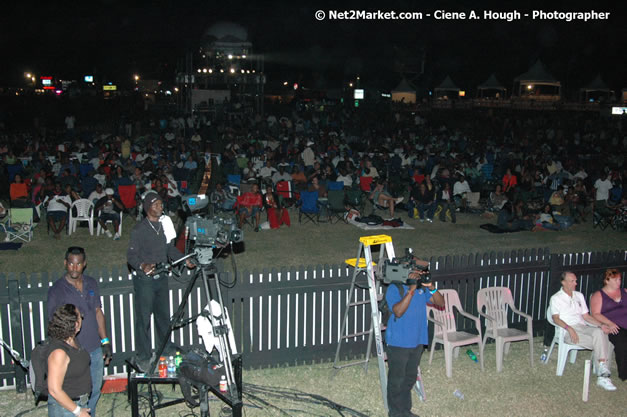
{"x": 509, "y": 181}
{"x": 277, "y": 215}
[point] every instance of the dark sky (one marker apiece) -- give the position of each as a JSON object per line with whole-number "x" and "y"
{"x": 113, "y": 40}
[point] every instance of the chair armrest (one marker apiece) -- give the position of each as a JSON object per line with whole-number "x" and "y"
{"x": 486, "y": 316}
{"x": 471, "y": 317}
{"x": 436, "y": 322}
{"x": 526, "y": 316}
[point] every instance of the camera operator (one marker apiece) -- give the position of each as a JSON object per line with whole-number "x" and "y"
{"x": 405, "y": 337}
{"x": 152, "y": 242}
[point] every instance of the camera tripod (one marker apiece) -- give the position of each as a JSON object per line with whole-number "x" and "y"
{"x": 206, "y": 271}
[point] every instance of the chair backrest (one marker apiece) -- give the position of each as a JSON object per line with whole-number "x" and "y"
{"x": 309, "y": 200}
{"x": 21, "y": 215}
{"x": 336, "y": 199}
{"x": 85, "y": 168}
{"x": 365, "y": 184}
{"x": 353, "y": 197}
{"x": 335, "y": 185}
{"x": 284, "y": 189}
{"x": 446, "y": 315}
{"x": 559, "y": 331}
{"x": 495, "y": 300}
{"x": 234, "y": 179}
{"x": 127, "y": 195}
{"x": 84, "y": 207}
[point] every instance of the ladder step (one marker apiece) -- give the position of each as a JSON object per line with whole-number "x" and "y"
{"x": 349, "y": 364}
{"x": 359, "y": 303}
{"x": 348, "y": 336}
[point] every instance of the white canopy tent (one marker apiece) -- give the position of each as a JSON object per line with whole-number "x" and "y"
{"x": 538, "y": 83}
{"x": 404, "y": 92}
{"x": 447, "y": 89}
{"x": 491, "y": 88}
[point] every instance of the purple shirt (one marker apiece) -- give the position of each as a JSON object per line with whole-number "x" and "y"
{"x": 617, "y": 312}
{"x": 62, "y": 292}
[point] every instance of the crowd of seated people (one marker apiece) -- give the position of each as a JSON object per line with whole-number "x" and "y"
{"x": 426, "y": 166}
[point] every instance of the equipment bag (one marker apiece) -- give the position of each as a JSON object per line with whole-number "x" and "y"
{"x": 385, "y": 310}
{"x": 38, "y": 370}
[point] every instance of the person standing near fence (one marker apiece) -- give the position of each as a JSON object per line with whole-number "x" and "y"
{"x": 82, "y": 291}
{"x": 152, "y": 242}
{"x": 405, "y": 337}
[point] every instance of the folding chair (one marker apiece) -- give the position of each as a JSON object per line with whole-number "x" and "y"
{"x": 354, "y": 199}
{"x": 335, "y": 185}
{"x": 19, "y": 225}
{"x": 286, "y": 194}
{"x": 84, "y": 213}
{"x": 250, "y": 220}
{"x": 336, "y": 206}
{"x": 309, "y": 206}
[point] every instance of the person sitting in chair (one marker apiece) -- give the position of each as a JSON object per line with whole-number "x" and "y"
{"x": 58, "y": 205}
{"x": 277, "y": 215}
{"x": 109, "y": 208}
{"x": 249, "y": 204}
{"x": 382, "y": 198}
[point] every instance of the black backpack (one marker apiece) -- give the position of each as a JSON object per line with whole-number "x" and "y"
{"x": 38, "y": 370}
{"x": 385, "y": 310}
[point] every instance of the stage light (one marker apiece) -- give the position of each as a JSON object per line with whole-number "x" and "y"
{"x": 136, "y": 77}
{"x": 242, "y": 71}
{"x": 243, "y": 56}
{"x": 204, "y": 70}
{"x": 221, "y": 70}
{"x": 232, "y": 70}
{"x": 529, "y": 87}
{"x": 199, "y": 70}
{"x": 230, "y": 56}
{"x": 210, "y": 71}
{"x": 284, "y": 82}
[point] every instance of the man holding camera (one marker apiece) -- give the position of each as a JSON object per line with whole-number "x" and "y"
{"x": 152, "y": 242}
{"x": 405, "y": 337}
{"x": 108, "y": 208}
{"x": 82, "y": 291}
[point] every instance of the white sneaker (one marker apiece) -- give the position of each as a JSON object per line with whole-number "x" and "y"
{"x": 603, "y": 370}
{"x": 116, "y": 237}
{"x": 108, "y": 233}
{"x": 398, "y": 200}
{"x": 429, "y": 220}
{"x": 605, "y": 383}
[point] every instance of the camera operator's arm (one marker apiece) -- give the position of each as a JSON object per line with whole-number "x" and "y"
{"x": 436, "y": 297}
{"x": 420, "y": 262}
{"x": 401, "y": 307}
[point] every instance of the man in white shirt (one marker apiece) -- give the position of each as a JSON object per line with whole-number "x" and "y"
{"x": 58, "y": 205}
{"x": 460, "y": 188}
{"x": 570, "y": 312}
{"x": 603, "y": 186}
{"x": 281, "y": 175}
{"x": 308, "y": 156}
{"x": 97, "y": 194}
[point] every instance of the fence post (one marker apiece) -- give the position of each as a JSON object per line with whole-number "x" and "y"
{"x": 16, "y": 333}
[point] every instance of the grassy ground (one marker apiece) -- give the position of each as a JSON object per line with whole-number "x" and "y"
{"x": 519, "y": 390}
{"x": 324, "y": 244}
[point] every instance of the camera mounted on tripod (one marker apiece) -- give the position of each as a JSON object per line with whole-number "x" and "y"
{"x": 399, "y": 268}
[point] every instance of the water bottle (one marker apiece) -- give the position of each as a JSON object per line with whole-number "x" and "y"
{"x": 544, "y": 356}
{"x": 458, "y": 394}
{"x": 177, "y": 360}
{"x": 171, "y": 367}
{"x": 222, "y": 383}
{"x": 471, "y": 355}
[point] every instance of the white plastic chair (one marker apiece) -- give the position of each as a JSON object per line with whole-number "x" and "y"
{"x": 496, "y": 301}
{"x": 445, "y": 329}
{"x": 564, "y": 348}
{"x": 99, "y": 228}
{"x": 84, "y": 213}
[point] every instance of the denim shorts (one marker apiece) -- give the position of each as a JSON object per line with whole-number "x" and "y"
{"x": 56, "y": 410}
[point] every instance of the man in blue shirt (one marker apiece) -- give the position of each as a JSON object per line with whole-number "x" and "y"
{"x": 405, "y": 336}
{"x": 82, "y": 291}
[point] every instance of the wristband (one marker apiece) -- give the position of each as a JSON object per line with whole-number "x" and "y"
{"x": 433, "y": 291}
{"x": 566, "y": 327}
{"x": 105, "y": 341}
{"x": 77, "y": 411}
{"x": 411, "y": 292}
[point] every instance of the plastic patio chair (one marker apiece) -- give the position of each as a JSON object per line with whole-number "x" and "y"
{"x": 19, "y": 225}
{"x": 496, "y": 301}
{"x": 563, "y": 348}
{"x": 309, "y": 206}
{"x": 84, "y": 213}
{"x": 99, "y": 228}
{"x": 445, "y": 329}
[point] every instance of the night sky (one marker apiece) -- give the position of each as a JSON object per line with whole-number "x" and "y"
{"x": 112, "y": 40}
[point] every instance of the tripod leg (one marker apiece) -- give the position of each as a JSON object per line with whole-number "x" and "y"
{"x": 203, "y": 394}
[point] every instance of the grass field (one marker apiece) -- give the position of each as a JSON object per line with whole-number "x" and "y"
{"x": 518, "y": 391}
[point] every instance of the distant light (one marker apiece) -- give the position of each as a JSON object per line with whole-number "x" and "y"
{"x": 529, "y": 87}
{"x": 168, "y": 92}
{"x": 204, "y": 70}
{"x": 359, "y": 94}
{"x": 253, "y": 71}
{"x": 32, "y": 79}
{"x": 386, "y": 95}
{"x": 176, "y": 89}
{"x": 210, "y": 71}
{"x": 58, "y": 92}
{"x": 230, "y": 56}
{"x": 295, "y": 86}
{"x": 232, "y": 70}
{"x": 243, "y": 71}
{"x": 357, "y": 77}
{"x": 284, "y": 82}
{"x": 247, "y": 71}
{"x": 350, "y": 84}
{"x": 203, "y": 55}
{"x": 462, "y": 93}
{"x": 199, "y": 70}
{"x": 88, "y": 78}
{"x": 27, "y": 75}
{"x": 221, "y": 70}
{"x": 136, "y": 77}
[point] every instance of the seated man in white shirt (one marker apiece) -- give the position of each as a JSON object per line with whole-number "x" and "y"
{"x": 58, "y": 204}
{"x": 460, "y": 190}
{"x": 571, "y": 313}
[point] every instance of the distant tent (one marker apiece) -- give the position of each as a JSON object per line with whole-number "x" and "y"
{"x": 404, "y": 92}
{"x": 491, "y": 88}
{"x": 447, "y": 88}
{"x": 595, "y": 90}
{"x": 538, "y": 83}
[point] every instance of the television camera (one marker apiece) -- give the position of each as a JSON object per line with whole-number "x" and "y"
{"x": 398, "y": 269}
{"x": 208, "y": 233}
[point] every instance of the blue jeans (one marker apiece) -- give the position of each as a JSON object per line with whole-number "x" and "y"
{"x": 56, "y": 410}
{"x": 96, "y": 368}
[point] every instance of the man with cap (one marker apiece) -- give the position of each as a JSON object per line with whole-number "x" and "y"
{"x": 152, "y": 242}
{"x": 108, "y": 208}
